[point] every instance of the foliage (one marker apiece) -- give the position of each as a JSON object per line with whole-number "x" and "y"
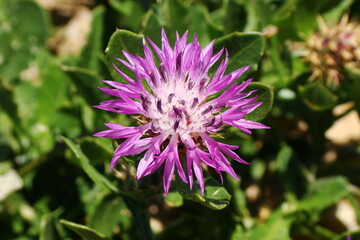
{"x": 55, "y": 181}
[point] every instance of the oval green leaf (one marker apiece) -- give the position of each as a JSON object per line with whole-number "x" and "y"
{"x": 215, "y": 195}
{"x": 265, "y": 95}
{"x": 99, "y": 179}
{"x": 174, "y": 199}
{"x": 276, "y": 228}
{"x": 122, "y": 40}
{"x": 108, "y": 214}
{"x": 48, "y": 229}
{"x": 83, "y": 231}
{"x": 324, "y": 193}
{"x": 244, "y": 49}
{"x": 317, "y": 97}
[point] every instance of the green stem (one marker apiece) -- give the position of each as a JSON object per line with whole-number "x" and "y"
{"x": 141, "y": 217}
{"x": 31, "y": 166}
{"x": 324, "y": 232}
{"x": 238, "y": 198}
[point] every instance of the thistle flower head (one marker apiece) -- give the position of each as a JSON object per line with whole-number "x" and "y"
{"x": 178, "y": 110}
{"x": 332, "y": 48}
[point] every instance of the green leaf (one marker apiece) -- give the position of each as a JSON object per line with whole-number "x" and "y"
{"x": 23, "y": 33}
{"x": 283, "y": 158}
{"x": 235, "y": 16}
{"x": 257, "y": 169}
{"x": 67, "y": 121}
{"x": 335, "y": 13}
{"x": 129, "y": 13}
{"x": 354, "y": 235}
{"x": 238, "y": 198}
{"x": 48, "y": 229}
{"x": 98, "y": 148}
{"x": 86, "y": 82}
{"x": 215, "y": 195}
{"x": 39, "y": 96}
{"x": 238, "y": 233}
{"x": 265, "y": 95}
{"x": 324, "y": 193}
{"x": 84, "y": 231}
{"x": 140, "y": 214}
{"x": 89, "y": 58}
{"x": 353, "y": 73}
{"x": 151, "y": 27}
{"x": 25, "y": 100}
{"x": 108, "y": 214}
{"x": 175, "y": 15}
{"x": 174, "y": 199}
{"x": 99, "y": 179}
{"x": 317, "y": 97}
{"x": 41, "y": 136}
{"x": 199, "y": 14}
{"x": 54, "y": 86}
{"x": 276, "y": 228}
{"x": 287, "y": 170}
{"x": 304, "y": 16}
{"x": 8, "y": 105}
{"x": 179, "y": 16}
{"x": 244, "y": 49}
{"x": 34, "y": 115}
{"x": 119, "y": 41}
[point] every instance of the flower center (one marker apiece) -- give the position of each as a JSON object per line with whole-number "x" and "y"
{"x": 178, "y": 109}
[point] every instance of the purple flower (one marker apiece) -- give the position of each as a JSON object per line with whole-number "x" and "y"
{"x": 178, "y": 110}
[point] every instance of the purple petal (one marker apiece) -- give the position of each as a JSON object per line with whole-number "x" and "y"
{"x": 168, "y": 173}
{"x": 199, "y": 174}
{"x": 147, "y": 160}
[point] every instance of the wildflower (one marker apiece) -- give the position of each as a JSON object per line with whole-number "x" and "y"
{"x": 179, "y": 110}
{"x": 332, "y": 49}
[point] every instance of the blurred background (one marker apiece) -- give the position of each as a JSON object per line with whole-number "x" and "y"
{"x": 304, "y": 177}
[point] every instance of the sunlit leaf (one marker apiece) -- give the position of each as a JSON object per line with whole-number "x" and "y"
{"x": 108, "y": 214}
{"x": 215, "y": 195}
{"x": 324, "y": 193}
{"x": 48, "y": 229}
{"x": 89, "y": 57}
{"x": 235, "y": 16}
{"x": 122, "y": 40}
{"x": 265, "y": 95}
{"x": 244, "y": 49}
{"x": 276, "y": 228}
{"x": 86, "y": 81}
{"x": 23, "y": 32}
{"x": 317, "y": 97}
{"x": 99, "y": 179}
{"x": 152, "y": 27}
{"x": 174, "y": 199}
{"x": 83, "y": 231}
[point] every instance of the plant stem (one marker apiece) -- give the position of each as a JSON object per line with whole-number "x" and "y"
{"x": 141, "y": 217}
